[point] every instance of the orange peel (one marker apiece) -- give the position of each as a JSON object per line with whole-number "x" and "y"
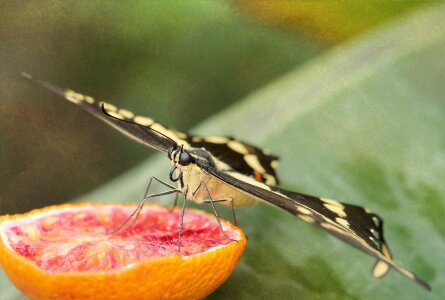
{"x": 31, "y": 242}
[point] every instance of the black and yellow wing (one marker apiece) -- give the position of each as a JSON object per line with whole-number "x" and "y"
{"x": 141, "y": 134}
{"x": 353, "y": 224}
{"x": 234, "y": 154}
{"x": 239, "y": 156}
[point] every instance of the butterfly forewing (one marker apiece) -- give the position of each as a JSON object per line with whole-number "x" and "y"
{"x": 114, "y": 117}
{"x": 233, "y": 154}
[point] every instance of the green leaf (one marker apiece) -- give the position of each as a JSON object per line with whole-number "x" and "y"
{"x": 363, "y": 124}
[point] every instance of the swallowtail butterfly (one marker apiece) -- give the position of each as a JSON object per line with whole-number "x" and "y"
{"x": 224, "y": 169}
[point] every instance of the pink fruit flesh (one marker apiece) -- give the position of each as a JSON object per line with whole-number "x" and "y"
{"x": 77, "y": 239}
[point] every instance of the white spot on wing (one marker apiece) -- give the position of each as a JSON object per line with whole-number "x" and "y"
{"x": 220, "y": 165}
{"x": 380, "y": 269}
{"x": 333, "y": 202}
{"x": 280, "y": 194}
{"x": 336, "y": 209}
{"x": 109, "y": 107}
{"x": 270, "y": 179}
{"x": 385, "y": 250}
{"x": 144, "y": 121}
{"x": 254, "y": 163}
{"x": 238, "y": 147}
{"x": 216, "y": 139}
{"x": 274, "y": 164}
{"x": 342, "y": 221}
{"x": 89, "y": 99}
{"x": 74, "y": 97}
{"x": 116, "y": 115}
{"x": 304, "y": 210}
{"x": 334, "y": 206}
{"x": 126, "y": 113}
{"x": 306, "y": 218}
{"x": 159, "y": 128}
{"x": 374, "y": 240}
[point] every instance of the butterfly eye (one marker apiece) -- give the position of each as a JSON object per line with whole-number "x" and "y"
{"x": 185, "y": 158}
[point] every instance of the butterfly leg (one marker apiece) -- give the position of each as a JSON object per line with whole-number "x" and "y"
{"x": 158, "y": 180}
{"x": 212, "y": 201}
{"x": 136, "y": 212}
{"x": 147, "y": 196}
{"x": 232, "y": 204}
{"x": 180, "y": 224}
{"x": 167, "y": 185}
{"x": 174, "y": 203}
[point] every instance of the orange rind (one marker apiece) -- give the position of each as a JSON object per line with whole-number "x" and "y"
{"x": 66, "y": 252}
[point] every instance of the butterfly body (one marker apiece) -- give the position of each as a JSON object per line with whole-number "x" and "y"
{"x": 196, "y": 183}
{"x": 232, "y": 172}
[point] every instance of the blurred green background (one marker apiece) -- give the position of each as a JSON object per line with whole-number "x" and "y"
{"x": 350, "y": 94}
{"x": 176, "y": 61}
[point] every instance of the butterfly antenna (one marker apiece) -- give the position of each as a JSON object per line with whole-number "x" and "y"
{"x": 128, "y": 121}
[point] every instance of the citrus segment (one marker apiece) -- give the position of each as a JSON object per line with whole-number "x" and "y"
{"x": 67, "y": 251}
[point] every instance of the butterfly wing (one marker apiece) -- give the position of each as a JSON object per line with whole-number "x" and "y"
{"x": 240, "y": 156}
{"x": 121, "y": 119}
{"x": 234, "y": 154}
{"x": 353, "y": 224}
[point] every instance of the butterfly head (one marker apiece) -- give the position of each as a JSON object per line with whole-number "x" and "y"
{"x": 180, "y": 158}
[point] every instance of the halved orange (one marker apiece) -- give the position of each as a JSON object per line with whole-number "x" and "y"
{"x": 66, "y": 252}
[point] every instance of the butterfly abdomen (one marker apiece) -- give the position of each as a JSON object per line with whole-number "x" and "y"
{"x": 194, "y": 180}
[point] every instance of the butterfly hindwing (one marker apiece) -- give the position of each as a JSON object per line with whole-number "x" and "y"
{"x": 240, "y": 156}
{"x": 353, "y": 224}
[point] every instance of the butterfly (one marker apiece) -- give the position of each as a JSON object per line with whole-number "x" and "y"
{"x": 230, "y": 171}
